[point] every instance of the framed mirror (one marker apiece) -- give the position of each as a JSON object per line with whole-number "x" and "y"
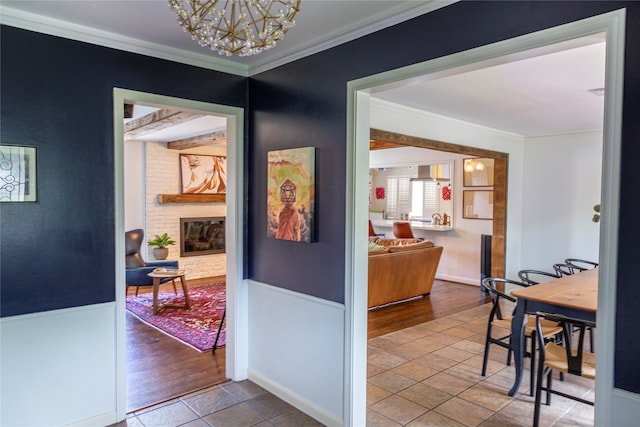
{"x": 478, "y": 172}
{"x": 477, "y": 204}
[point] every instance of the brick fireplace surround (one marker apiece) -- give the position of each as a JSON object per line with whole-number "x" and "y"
{"x": 163, "y": 177}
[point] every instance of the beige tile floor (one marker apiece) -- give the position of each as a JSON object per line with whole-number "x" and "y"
{"x": 429, "y": 375}
{"x": 426, "y": 375}
{"x": 229, "y": 405}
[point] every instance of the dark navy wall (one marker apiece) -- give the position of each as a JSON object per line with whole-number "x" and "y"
{"x": 304, "y": 104}
{"x": 57, "y": 96}
{"x": 627, "y": 341}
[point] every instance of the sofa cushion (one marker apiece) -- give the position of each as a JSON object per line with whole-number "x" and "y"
{"x": 398, "y": 242}
{"x": 375, "y": 248}
{"x": 413, "y": 246}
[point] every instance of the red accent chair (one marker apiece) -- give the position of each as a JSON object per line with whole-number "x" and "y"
{"x": 402, "y": 230}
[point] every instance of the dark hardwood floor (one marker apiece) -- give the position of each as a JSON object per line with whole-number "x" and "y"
{"x": 160, "y": 368}
{"x": 445, "y": 298}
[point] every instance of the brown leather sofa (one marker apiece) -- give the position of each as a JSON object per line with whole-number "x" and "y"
{"x": 400, "y": 269}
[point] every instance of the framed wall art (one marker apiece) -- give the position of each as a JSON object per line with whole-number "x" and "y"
{"x": 477, "y": 204}
{"x": 18, "y": 174}
{"x": 203, "y": 174}
{"x": 291, "y": 194}
{"x": 477, "y": 172}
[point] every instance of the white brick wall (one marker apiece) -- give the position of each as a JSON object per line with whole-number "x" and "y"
{"x": 163, "y": 177}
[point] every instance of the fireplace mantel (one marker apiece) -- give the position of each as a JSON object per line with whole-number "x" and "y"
{"x": 192, "y": 198}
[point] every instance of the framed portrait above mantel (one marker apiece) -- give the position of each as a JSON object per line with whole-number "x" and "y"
{"x": 203, "y": 174}
{"x": 18, "y": 171}
{"x": 478, "y": 172}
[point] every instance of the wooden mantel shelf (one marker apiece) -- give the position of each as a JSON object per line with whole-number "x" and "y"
{"x": 192, "y": 198}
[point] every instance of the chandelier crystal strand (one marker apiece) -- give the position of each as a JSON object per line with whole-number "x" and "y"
{"x": 230, "y": 27}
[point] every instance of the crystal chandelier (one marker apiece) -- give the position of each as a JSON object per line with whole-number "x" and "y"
{"x": 243, "y": 27}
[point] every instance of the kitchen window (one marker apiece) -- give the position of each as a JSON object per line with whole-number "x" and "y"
{"x": 398, "y": 196}
{"x": 417, "y": 198}
{"x": 424, "y": 196}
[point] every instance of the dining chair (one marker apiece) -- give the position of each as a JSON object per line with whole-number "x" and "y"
{"x": 581, "y": 263}
{"x": 498, "y": 289}
{"x": 402, "y": 230}
{"x": 372, "y": 231}
{"x": 568, "y": 359}
{"x": 565, "y": 269}
{"x": 534, "y": 277}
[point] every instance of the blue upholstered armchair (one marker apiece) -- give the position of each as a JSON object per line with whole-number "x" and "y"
{"x": 137, "y": 268}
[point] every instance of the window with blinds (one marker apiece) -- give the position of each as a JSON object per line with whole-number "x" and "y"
{"x": 417, "y": 198}
{"x": 398, "y": 201}
{"x": 424, "y": 199}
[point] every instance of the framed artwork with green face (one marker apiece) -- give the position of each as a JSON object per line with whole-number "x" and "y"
{"x": 291, "y": 194}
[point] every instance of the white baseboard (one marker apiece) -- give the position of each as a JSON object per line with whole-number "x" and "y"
{"x": 459, "y": 279}
{"x": 295, "y": 400}
{"x": 97, "y": 421}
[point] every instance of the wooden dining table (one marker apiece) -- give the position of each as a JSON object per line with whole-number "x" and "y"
{"x": 573, "y": 296}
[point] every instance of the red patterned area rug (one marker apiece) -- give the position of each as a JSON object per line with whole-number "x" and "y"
{"x": 196, "y": 327}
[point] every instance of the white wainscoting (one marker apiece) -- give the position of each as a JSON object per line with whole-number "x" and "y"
{"x": 296, "y": 350}
{"x": 59, "y": 367}
{"x": 625, "y": 408}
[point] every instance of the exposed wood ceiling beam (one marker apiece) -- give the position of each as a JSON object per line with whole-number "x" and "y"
{"x": 214, "y": 138}
{"x": 381, "y": 145}
{"x": 381, "y": 138}
{"x": 158, "y": 120}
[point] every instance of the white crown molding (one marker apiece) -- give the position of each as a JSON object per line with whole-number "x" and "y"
{"x": 59, "y": 28}
{"x": 55, "y": 27}
{"x": 356, "y": 30}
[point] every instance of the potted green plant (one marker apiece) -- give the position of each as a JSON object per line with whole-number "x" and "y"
{"x": 161, "y": 251}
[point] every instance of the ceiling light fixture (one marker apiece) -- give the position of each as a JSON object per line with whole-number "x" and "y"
{"x": 243, "y": 27}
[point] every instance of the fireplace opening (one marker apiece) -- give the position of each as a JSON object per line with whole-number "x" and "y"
{"x": 202, "y": 236}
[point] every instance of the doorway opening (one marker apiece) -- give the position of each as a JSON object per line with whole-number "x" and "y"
{"x": 359, "y": 125}
{"x": 389, "y": 139}
{"x": 156, "y": 141}
{"x": 127, "y": 216}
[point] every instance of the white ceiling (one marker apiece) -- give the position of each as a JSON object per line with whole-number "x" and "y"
{"x": 546, "y": 93}
{"x": 539, "y": 95}
{"x": 149, "y": 25}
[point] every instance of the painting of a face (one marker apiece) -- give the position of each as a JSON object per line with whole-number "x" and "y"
{"x": 291, "y": 194}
